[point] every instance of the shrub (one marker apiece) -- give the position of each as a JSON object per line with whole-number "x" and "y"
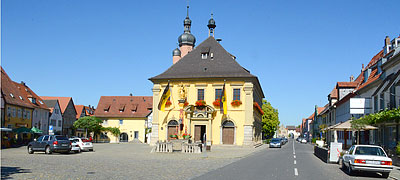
{"x": 314, "y": 140}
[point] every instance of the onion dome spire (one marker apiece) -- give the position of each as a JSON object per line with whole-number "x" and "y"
{"x": 211, "y": 26}
{"x": 187, "y": 38}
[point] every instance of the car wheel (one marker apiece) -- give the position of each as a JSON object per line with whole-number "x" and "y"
{"x": 385, "y": 175}
{"x": 349, "y": 170}
{"x": 30, "y": 151}
{"x": 47, "y": 150}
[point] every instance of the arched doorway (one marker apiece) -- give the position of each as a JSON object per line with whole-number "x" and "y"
{"x": 123, "y": 137}
{"x": 172, "y": 128}
{"x": 228, "y": 132}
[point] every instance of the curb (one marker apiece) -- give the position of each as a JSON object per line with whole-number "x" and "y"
{"x": 393, "y": 177}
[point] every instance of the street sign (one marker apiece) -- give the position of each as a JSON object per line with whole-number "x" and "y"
{"x": 334, "y": 152}
{"x": 51, "y": 132}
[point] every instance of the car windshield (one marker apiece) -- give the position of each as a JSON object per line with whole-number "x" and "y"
{"x": 275, "y": 140}
{"x": 74, "y": 140}
{"x": 374, "y": 151}
{"x": 61, "y": 138}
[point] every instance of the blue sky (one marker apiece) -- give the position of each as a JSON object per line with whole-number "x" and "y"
{"x": 92, "y": 48}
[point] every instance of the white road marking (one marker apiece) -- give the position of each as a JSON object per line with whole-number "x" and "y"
{"x": 294, "y": 161}
{"x": 294, "y": 156}
{"x": 295, "y": 172}
{"x": 294, "y": 151}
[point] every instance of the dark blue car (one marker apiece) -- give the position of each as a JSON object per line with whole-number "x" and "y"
{"x": 49, "y": 144}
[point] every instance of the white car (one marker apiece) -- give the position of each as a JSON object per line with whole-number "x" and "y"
{"x": 367, "y": 158}
{"x": 75, "y": 146}
{"x": 84, "y": 143}
{"x": 304, "y": 140}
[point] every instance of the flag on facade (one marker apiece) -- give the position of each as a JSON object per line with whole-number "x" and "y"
{"x": 164, "y": 98}
{"x": 223, "y": 105}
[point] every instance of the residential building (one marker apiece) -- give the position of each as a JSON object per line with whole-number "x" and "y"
{"x": 68, "y": 113}
{"x": 282, "y": 131}
{"x": 55, "y": 117}
{"x": 17, "y": 109}
{"x": 386, "y": 95}
{"x": 292, "y": 131}
{"x": 40, "y": 115}
{"x": 200, "y": 75}
{"x": 128, "y": 113}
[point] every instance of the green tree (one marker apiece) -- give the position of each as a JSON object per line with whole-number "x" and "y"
{"x": 89, "y": 123}
{"x": 113, "y": 130}
{"x": 270, "y": 119}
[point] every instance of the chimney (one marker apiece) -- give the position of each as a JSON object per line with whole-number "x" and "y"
{"x": 351, "y": 78}
{"x": 219, "y": 40}
{"x": 387, "y": 41}
{"x": 23, "y": 83}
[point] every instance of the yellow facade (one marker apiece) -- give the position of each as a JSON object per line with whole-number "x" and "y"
{"x": 128, "y": 126}
{"x": 17, "y": 116}
{"x": 242, "y": 116}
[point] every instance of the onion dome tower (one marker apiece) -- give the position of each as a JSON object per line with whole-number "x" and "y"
{"x": 176, "y": 55}
{"x": 211, "y": 26}
{"x": 186, "y": 40}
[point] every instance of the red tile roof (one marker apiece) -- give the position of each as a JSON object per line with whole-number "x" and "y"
{"x": 334, "y": 93}
{"x": 27, "y": 93}
{"x": 79, "y": 109}
{"x": 124, "y": 106}
{"x": 63, "y": 101}
{"x": 10, "y": 92}
{"x": 347, "y": 84}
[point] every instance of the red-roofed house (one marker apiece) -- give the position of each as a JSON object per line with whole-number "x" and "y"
{"x": 40, "y": 115}
{"x": 128, "y": 113}
{"x": 68, "y": 113}
{"x": 17, "y": 109}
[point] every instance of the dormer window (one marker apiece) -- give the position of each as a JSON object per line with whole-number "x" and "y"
{"x": 12, "y": 95}
{"x": 134, "y": 108}
{"x": 21, "y": 98}
{"x": 121, "y": 107}
{"x": 107, "y": 108}
{"x": 204, "y": 52}
{"x": 204, "y": 55}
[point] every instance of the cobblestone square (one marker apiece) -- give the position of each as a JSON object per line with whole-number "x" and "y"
{"x": 116, "y": 161}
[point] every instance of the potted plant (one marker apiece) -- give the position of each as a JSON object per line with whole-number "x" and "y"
{"x": 173, "y": 136}
{"x": 186, "y": 104}
{"x": 236, "y": 103}
{"x": 217, "y": 103}
{"x": 200, "y": 103}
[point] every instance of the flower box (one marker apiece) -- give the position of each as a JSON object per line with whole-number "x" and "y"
{"x": 168, "y": 103}
{"x": 186, "y": 136}
{"x": 200, "y": 103}
{"x": 186, "y": 104}
{"x": 236, "y": 103}
{"x": 217, "y": 103}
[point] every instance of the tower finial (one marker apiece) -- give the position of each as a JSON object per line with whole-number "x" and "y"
{"x": 211, "y": 26}
{"x": 187, "y": 10}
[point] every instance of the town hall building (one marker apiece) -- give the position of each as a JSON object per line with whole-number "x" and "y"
{"x": 197, "y": 80}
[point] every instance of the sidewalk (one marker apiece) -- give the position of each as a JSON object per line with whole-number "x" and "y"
{"x": 395, "y": 174}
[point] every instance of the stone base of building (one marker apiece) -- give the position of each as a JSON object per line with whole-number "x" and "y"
{"x": 248, "y": 136}
{"x": 154, "y": 135}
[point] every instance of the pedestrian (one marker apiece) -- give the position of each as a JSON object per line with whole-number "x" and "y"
{"x": 90, "y": 138}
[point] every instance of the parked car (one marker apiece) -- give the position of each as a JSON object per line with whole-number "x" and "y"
{"x": 49, "y": 144}
{"x": 275, "y": 142}
{"x": 367, "y": 158}
{"x": 303, "y": 140}
{"x": 75, "y": 146}
{"x": 84, "y": 143}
